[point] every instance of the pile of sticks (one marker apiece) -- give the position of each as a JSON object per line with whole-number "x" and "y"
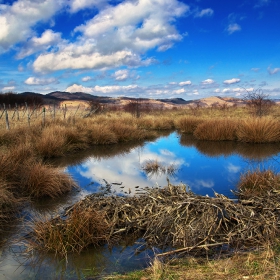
{"x": 175, "y": 217}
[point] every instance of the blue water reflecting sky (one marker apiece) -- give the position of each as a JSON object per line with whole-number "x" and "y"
{"x": 205, "y": 166}
{"x": 203, "y": 172}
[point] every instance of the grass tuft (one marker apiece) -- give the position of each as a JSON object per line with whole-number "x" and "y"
{"x": 188, "y": 124}
{"x": 258, "y": 183}
{"x": 217, "y": 130}
{"x": 39, "y": 180}
{"x": 82, "y": 228}
{"x": 259, "y": 130}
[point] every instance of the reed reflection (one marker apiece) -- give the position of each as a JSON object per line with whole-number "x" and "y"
{"x": 225, "y": 148}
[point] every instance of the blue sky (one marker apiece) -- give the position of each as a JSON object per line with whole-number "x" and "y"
{"x": 145, "y": 48}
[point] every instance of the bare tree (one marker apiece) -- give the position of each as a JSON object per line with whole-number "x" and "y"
{"x": 258, "y": 102}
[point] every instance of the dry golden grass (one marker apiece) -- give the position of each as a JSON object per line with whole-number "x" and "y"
{"x": 259, "y": 130}
{"x": 261, "y": 265}
{"x": 39, "y": 180}
{"x": 83, "y": 227}
{"x": 102, "y": 135}
{"x": 258, "y": 182}
{"x": 217, "y": 130}
{"x": 8, "y": 202}
{"x": 188, "y": 124}
{"x": 52, "y": 142}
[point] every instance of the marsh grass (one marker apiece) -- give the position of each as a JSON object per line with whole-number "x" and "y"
{"x": 102, "y": 135}
{"x": 188, "y": 124}
{"x": 258, "y": 183}
{"x": 261, "y": 265}
{"x": 8, "y": 202}
{"x": 40, "y": 180}
{"x": 259, "y": 130}
{"x": 82, "y": 228}
{"x": 52, "y": 142}
{"x": 154, "y": 167}
{"x": 217, "y": 130}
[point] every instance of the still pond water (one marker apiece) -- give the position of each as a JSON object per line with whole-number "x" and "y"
{"x": 206, "y": 167}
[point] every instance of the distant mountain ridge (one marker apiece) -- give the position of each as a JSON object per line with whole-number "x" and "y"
{"x": 60, "y": 96}
{"x": 66, "y": 96}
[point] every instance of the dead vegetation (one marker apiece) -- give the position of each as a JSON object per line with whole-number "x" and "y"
{"x": 154, "y": 167}
{"x": 173, "y": 217}
{"x": 82, "y": 228}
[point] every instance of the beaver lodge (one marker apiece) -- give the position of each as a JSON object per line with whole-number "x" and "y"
{"x": 171, "y": 217}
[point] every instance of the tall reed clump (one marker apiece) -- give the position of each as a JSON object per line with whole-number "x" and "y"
{"x": 40, "y": 180}
{"x": 101, "y": 135}
{"x": 217, "y": 129}
{"x": 259, "y": 130}
{"x": 82, "y": 228}
{"x": 187, "y": 124}
{"x": 163, "y": 123}
{"x": 8, "y": 202}
{"x": 52, "y": 141}
{"x": 258, "y": 183}
{"x": 129, "y": 132}
{"x": 28, "y": 176}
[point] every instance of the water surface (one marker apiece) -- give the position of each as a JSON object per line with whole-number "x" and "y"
{"x": 204, "y": 166}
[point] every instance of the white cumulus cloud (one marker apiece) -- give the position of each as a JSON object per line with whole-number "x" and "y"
{"x": 118, "y": 36}
{"x": 77, "y": 5}
{"x": 121, "y": 75}
{"x": 17, "y": 20}
{"x": 185, "y": 83}
{"x": 47, "y": 40}
{"x": 86, "y": 79}
{"x": 79, "y": 88}
{"x": 39, "y": 81}
{"x": 208, "y": 82}
{"x": 232, "y": 81}
{"x": 7, "y": 89}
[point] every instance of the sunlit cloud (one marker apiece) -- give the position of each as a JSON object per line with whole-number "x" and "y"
{"x": 77, "y": 5}
{"x": 121, "y": 75}
{"x": 133, "y": 27}
{"x": 86, "y": 79}
{"x": 39, "y": 81}
{"x": 208, "y": 82}
{"x": 185, "y": 83}
{"x": 17, "y": 20}
{"x": 47, "y": 40}
{"x": 232, "y": 81}
{"x": 7, "y": 89}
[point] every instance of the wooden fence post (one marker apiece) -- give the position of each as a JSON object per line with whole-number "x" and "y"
{"x": 53, "y": 110}
{"x": 7, "y": 118}
{"x": 28, "y": 114}
{"x": 44, "y": 116}
{"x": 64, "y": 112}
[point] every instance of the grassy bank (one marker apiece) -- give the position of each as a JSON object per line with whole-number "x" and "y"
{"x": 25, "y": 148}
{"x": 262, "y": 265}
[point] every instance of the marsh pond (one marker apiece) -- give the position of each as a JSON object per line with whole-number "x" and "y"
{"x": 204, "y": 167}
